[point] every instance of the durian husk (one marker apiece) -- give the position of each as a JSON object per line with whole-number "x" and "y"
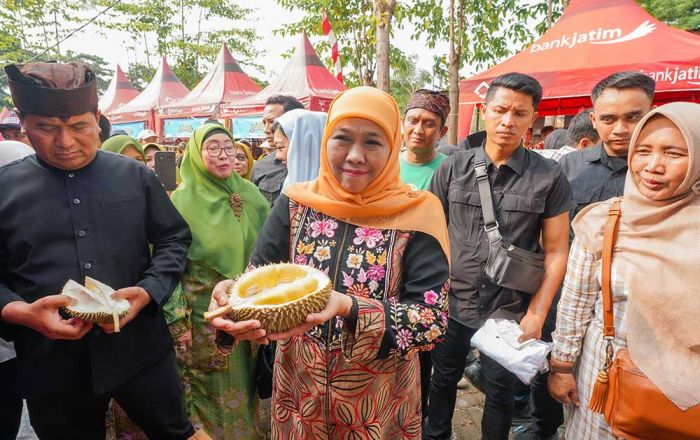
{"x": 106, "y": 317}
{"x": 278, "y": 318}
{"x": 95, "y": 317}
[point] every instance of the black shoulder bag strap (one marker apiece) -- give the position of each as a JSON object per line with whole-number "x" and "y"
{"x": 482, "y": 179}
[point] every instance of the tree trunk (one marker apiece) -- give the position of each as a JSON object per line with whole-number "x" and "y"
{"x": 55, "y": 28}
{"x": 383, "y": 13}
{"x": 456, "y": 35}
{"x": 549, "y": 14}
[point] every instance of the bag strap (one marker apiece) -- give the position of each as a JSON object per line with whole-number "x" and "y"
{"x": 482, "y": 180}
{"x": 609, "y": 238}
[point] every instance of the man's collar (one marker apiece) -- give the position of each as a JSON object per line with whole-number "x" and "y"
{"x": 515, "y": 162}
{"x": 593, "y": 154}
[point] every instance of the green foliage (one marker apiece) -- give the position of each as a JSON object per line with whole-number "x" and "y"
{"x": 174, "y": 28}
{"x": 33, "y": 30}
{"x": 493, "y": 29}
{"x": 683, "y": 14}
{"x": 406, "y": 77}
{"x": 355, "y": 27}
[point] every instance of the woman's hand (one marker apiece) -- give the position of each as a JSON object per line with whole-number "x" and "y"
{"x": 562, "y": 387}
{"x": 339, "y": 304}
{"x": 242, "y": 330}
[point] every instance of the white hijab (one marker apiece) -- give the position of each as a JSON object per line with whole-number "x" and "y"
{"x": 13, "y": 150}
{"x": 10, "y": 151}
{"x": 304, "y": 129}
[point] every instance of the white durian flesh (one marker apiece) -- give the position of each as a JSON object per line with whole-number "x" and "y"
{"x": 94, "y": 303}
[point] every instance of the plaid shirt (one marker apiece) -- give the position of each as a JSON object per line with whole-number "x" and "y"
{"x": 556, "y": 154}
{"x": 579, "y": 334}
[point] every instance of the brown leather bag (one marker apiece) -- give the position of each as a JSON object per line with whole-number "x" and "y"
{"x": 633, "y": 406}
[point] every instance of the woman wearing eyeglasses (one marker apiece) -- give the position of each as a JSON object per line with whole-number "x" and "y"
{"x": 225, "y": 213}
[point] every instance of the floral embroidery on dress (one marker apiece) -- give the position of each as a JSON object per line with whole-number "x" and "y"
{"x": 430, "y": 297}
{"x": 354, "y": 261}
{"x": 322, "y": 253}
{"x": 371, "y": 237}
{"x": 325, "y": 227}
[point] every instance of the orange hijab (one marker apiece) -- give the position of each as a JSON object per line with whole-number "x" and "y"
{"x": 386, "y": 203}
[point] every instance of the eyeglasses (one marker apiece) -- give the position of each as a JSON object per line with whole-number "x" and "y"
{"x": 216, "y": 151}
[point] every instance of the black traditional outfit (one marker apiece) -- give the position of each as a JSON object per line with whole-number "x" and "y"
{"x": 95, "y": 221}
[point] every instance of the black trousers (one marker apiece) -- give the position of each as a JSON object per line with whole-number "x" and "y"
{"x": 449, "y": 359}
{"x": 547, "y": 413}
{"x": 153, "y": 399}
{"x": 10, "y": 400}
{"x": 426, "y": 369}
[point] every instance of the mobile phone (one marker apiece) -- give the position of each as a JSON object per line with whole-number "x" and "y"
{"x": 165, "y": 169}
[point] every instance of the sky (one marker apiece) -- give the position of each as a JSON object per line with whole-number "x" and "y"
{"x": 113, "y": 48}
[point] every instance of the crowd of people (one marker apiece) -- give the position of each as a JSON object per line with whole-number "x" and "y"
{"x": 369, "y": 194}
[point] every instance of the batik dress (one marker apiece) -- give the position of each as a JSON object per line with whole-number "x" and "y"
{"x": 220, "y": 394}
{"x": 356, "y": 378}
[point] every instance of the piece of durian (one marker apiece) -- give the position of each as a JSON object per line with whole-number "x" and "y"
{"x": 280, "y": 296}
{"x": 94, "y": 303}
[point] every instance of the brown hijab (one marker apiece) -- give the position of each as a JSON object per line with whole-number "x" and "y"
{"x": 658, "y": 252}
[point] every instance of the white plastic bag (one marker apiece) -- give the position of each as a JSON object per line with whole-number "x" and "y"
{"x": 498, "y": 339}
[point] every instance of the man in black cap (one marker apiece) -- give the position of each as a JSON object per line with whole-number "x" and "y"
{"x": 84, "y": 212}
{"x": 423, "y": 127}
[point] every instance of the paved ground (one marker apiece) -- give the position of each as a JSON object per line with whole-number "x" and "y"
{"x": 466, "y": 424}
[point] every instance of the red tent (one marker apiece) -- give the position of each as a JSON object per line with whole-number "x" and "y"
{"x": 119, "y": 92}
{"x": 4, "y": 112}
{"x": 225, "y": 82}
{"x": 593, "y": 39}
{"x": 163, "y": 89}
{"x": 305, "y": 77}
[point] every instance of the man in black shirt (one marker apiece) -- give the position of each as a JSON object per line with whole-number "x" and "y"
{"x": 269, "y": 172}
{"x": 598, "y": 173}
{"x": 532, "y": 200}
{"x": 72, "y": 211}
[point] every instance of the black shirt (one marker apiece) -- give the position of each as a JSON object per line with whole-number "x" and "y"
{"x": 268, "y": 175}
{"x": 96, "y": 221}
{"x": 526, "y": 190}
{"x": 594, "y": 176}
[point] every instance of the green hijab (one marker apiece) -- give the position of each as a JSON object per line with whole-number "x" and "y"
{"x": 220, "y": 240}
{"x": 117, "y": 144}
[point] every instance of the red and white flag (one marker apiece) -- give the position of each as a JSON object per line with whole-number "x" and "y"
{"x": 328, "y": 32}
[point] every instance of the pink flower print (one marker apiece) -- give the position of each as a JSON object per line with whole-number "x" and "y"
{"x": 404, "y": 337}
{"x": 300, "y": 259}
{"x": 347, "y": 280}
{"x": 376, "y": 273}
{"x": 430, "y": 297}
{"x": 362, "y": 276}
{"x": 324, "y": 227}
{"x": 372, "y": 237}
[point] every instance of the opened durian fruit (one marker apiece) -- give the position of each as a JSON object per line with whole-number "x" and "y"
{"x": 278, "y": 295}
{"x": 94, "y": 303}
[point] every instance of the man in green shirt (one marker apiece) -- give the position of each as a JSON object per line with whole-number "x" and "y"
{"x": 423, "y": 127}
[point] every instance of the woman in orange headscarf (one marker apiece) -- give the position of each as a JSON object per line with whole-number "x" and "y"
{"x": 352, "y": 369}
